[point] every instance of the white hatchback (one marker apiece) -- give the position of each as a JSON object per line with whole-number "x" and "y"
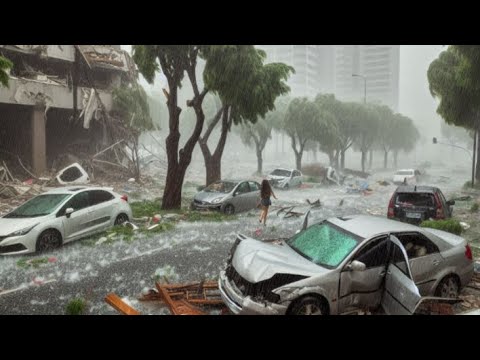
{"x": 59, "y": 216}
{"x": 406, "y": 176}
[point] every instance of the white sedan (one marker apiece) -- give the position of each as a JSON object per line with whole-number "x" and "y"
{"x": 59, "y": 216}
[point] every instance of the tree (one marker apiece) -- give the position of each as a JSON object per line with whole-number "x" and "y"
{"x": 387, "y": 131}
{"x": 5, "y": 65}
{"x": 329, "y": 138}
{"x": 174, "y": 61}
{"x": 453, "y": 79}
{"x": 247, "y": 90}
{"x": 131, "y": 104}
{"x": 368, "y": 121}
{"x": 301, "y": 119}
{"x": 406, "y": 138}
{"x": 259, "y": 133}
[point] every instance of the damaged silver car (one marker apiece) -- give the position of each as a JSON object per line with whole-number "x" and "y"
{"x": 343, "y": 264}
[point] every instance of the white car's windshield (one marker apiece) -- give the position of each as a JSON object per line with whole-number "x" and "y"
{"x": 324, "y": 244}
{"x": 38, "y": 206}
{"x": 280, "y": 172}
{"x": 220, "y": 187}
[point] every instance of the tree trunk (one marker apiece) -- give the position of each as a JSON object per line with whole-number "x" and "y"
{"x": 342, "y": 159}
{"x": 477, "y": 167}
{"x": 385, "y": 159}
{"x": 214, "y": 169}
{"x": 370, "y": 160}
{"x": 331, "y": 158}
{"x": 315, "y": 155}
{"x": 259, "y": 161}
{"x": 364, "y": 159}
{"x": 298, "y": 159}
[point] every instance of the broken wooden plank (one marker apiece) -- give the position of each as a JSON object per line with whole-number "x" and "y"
{"x": 118, "y": 304}
{"x": 177, "y": 307}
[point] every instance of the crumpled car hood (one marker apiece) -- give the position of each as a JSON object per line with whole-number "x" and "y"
{"x": 209, "y": 197}
{"x": 257, "y": 261}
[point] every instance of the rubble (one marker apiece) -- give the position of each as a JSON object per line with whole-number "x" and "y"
{"x": 73, "y": 174}
{"x": 314, "y": 204}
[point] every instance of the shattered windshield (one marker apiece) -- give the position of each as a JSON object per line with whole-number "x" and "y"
{"x": 38, "y": 206}
{"x": 280, "y": 172}
{"x": 220, "y": 187}
{"x": 324, "y": 244}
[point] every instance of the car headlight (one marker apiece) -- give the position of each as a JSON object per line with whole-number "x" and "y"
{"x": 22, "y": 232}
{"x": 217, "y": 200}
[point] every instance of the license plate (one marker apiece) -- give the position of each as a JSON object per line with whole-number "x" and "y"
{"x": 414, "y": 215}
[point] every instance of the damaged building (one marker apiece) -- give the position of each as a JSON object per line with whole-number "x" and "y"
{"x": 56, "y": 99}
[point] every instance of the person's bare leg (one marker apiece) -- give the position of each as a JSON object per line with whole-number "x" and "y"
{"x": 265, "y": 216}
{"x": 262, "y": 214}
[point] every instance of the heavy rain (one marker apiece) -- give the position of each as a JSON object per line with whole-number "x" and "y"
{"x": 133, "y": 176}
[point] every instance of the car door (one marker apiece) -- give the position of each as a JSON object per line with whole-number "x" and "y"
{"x": 448, "y": 208}
{"x": 400, "y": 294}
{"x": 102, "y": 208}
{"x": 364, "y": 288}
{"x": 240, "y": 198}
{"x": 78, "y": 223}
{"x": 424, "y": 259}
{"x": 254, "y": 195}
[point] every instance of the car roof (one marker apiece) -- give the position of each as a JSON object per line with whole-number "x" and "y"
{"x": 75, "y": 189}
{"x": 367, "y": 226}
{"x": 417, "y": 189}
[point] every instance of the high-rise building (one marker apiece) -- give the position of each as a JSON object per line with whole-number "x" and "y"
{"x": 312, "y": 65}
{"x": 379, "y": 66}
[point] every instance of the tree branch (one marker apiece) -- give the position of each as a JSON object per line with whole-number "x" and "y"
{"x": 211, "y": 126}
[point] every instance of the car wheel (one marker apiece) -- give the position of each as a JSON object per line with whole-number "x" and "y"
{"x": 308, "y": 305}
{"x": 122, "y": 218}
{"x": 48, "y": 240}
{"x": 448, "y": 288}
{"x": 229, "y": 209}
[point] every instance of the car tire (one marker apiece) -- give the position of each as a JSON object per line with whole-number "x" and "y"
{"x": 229, "y": 209}
{"x": 448, "y": 287}
{"x": 308, "y": 305}
{"x": 48, "y": 240}
{"x": 121, "y": 218}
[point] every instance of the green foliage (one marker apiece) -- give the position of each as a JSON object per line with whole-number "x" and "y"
{"x": 146, "y": 208}
{"x": 35, "y": 263}
{"x": 76, "y": 307}
{"x": 450, "y": 225}
{"x": 474, "y": 208}
{"x": 5, "y": 64}
{"x": 132, "y": 104}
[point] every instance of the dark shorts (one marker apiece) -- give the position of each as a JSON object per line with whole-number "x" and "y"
{"x": 266, "y": 202}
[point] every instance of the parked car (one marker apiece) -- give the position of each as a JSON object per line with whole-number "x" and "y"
{"x": 406, "y": 176}
{"x": 415, "y": 204}
{"x": 228, "y": 196}
{"x": 342, "y": 264}
{"x": 285, "y": 178}
{"x": 59, "y": 216}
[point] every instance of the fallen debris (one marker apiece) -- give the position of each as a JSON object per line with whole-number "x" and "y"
{"x": 130, "y": 225}
{"x": 119, "y": 305}
{"x": 464, "y": 225}
{"x": 73, "y": 174}
{"x": 314, "y": 204}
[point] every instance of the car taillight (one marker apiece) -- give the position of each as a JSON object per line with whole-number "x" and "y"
{"x": 468, "y": 252}
{"x": 390, "y": 212}
{"x": 124, "y": 197}
{"x": 440, "y": 213}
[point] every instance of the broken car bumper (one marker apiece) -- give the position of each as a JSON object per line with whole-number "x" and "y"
{"x": 240, "y": 305}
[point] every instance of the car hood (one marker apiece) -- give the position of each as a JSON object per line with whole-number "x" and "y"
{"x": 256, "y": 261}
{"x": 8, "y": 226}
{"x": 209, "y": 197}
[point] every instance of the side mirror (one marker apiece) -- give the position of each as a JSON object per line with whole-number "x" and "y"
{"x": 451, "y": 202}
{"x": 235, "y": 194}
{"x": 69, "y": 212}
{"x": 356, "y": 265}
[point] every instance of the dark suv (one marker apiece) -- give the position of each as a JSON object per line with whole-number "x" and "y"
{"x": 415, "y": 204}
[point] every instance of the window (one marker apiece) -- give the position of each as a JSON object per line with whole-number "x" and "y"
{"x": 243, "y": 188}
{"x": 417, "y": 245}
{"x": 415, "y": 199}
{"x": 374, "y": 254}
{"x": 78, "y": 202}
{"x": 38, "y": 206}
{"x": 399, "y": 260}
{"x": 220, "y": 187}
{"x": 324, "y": 244}
{"x": 254, "y": 186}
{"x": 99, "y": 196}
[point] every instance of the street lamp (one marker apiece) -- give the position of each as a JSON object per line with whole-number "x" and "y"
{"x": 364, "y": 87}
{"x": 435, "y": 141}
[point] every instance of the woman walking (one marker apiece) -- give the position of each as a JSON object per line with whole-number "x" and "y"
{"x": 265, "y": 193}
